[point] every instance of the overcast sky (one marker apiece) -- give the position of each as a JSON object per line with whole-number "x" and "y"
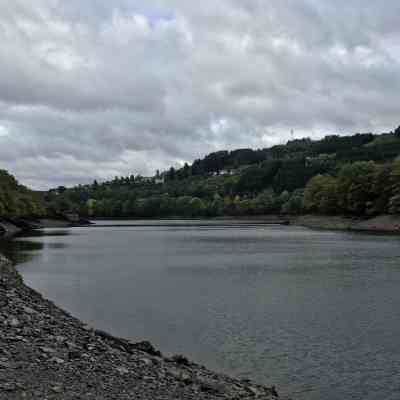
{"x": 97, "y": 88}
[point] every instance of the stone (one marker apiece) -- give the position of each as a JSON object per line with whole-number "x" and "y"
{"x": 146, "y": 347}
{"x": 122, "y": 370}
{"x": 254, "y": 391}
{"x": 29, "y": 310}
{"x": 181, "y": 376}
{"x": 47, "y": 350}
{"x": 87, "y": 328}
{"x": 146, "y": 361}
{"x": 90, "y": 347}
{"x": 57, "y": 389}
{"x": 14, "y": 322}
{"x": 57, "y": 360}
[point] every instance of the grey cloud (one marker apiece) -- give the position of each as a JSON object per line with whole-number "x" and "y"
{"x": 107, "y": 87}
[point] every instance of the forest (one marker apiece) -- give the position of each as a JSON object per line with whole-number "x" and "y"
{"x": 17, "y": 201}
{"x": 355, "y": 175}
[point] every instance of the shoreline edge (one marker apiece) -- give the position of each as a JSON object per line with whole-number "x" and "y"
{"x": 47, "y": 353}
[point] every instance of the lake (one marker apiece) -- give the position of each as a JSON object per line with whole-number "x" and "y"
{"x": 315, "y": 313}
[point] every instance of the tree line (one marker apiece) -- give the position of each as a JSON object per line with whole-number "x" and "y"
{"x": 363, "y": 188}
{"x": 353, "y": 175}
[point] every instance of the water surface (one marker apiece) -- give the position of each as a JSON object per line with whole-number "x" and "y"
{"x": 315, "y": 313}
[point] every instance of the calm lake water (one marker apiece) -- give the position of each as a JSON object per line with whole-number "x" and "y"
{"x": 315, "y": 313}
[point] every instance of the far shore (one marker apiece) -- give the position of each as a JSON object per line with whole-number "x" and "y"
{"x": 389, "y": 224}
{"x": 378, "y": 224}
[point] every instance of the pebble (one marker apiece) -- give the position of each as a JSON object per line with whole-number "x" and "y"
{"x": 28, "y": 310}
{"x": 14, "y": 322}
{"x": 146, "y": 361}
{"x": 181, "y": 375}
{"x": 57, "y": 360}
{"x": 47, "y": 350}
{"x": 122, "y": 370}
{"x": 57, "y": 389}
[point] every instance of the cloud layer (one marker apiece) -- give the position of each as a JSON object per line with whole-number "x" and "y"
{"x": 114, "y": 87}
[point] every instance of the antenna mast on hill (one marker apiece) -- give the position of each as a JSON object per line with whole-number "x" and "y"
{"x": 292, "y": 133}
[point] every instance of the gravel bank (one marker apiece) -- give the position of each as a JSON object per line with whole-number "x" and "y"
{"x": 47, "y": 354}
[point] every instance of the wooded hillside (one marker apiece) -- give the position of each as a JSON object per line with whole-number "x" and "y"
{"x": 18, "y": 201}
{"x": 355, "y": 175}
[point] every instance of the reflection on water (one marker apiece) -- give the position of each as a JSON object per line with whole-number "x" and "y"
{"x": 53, "y": 232}
{"x": 25, "y": 246}
{"x": 315, "y": 313}
{"x": 19, "y": 251}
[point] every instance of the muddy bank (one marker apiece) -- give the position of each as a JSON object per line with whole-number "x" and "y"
{"x": 382, "y": 223}
{"x": 47, "y": 354}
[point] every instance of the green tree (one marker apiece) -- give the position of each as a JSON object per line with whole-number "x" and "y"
{"x": 321, "y": 195}
{"x": 381, "y": 189}
{"x": 394, "y": 201}
{"x": 91, "y": 206}
{"x": 217, "y": 206}
{"x": 293, "y": 206}
{"x": 355, "y": 186}
{"x": 197, "y": 207}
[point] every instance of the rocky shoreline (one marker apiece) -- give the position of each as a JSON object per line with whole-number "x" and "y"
{"x": 47, "y": 354}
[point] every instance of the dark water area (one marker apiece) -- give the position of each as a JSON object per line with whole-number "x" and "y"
{"x": 315, "y": 313}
